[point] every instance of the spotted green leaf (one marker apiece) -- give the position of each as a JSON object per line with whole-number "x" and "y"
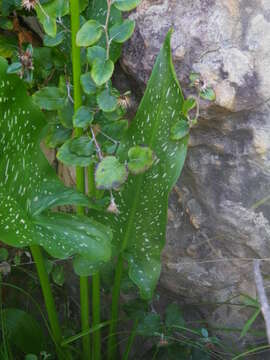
{"x": 29, "y": 186}
{"x": 89, "y": 33}
{"x": 126, "y": 5}
{"x": 122, "y": 32}
{"x": 107, "y": 101}
{"x": 83, "y": 117}
{"x": 140, "y": 228}
{"x": 102, "y": 71}
{"x": 140, "y": 159}
{"x": 180, "y": 129}
{"x": 110, "y": 173}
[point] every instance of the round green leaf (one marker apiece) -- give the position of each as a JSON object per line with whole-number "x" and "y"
{"x": 66, "y": 113}
{"x": 76, "y": 152}
{"x": 110, "y": 173}
{"x": 122, "y": 32}
{"x": 49, "y": 98}
{"x": 208, "y": 94}
{"x": 83, "y": 117}
{"x": 102, "y": 71}
{"x": 94, "y": 53}
{"x": 126, "y": 5}
{"x": 88, "y": 85}
{"x": 180, "y": 129}
{"x": 140, "y": 159}
{"x": 14, "y": 68}
{"x": 54, "y": 41}
{"x": 50, "y": 27}
{"x": 89, "y": 33}
{"x": 106, "y": 101}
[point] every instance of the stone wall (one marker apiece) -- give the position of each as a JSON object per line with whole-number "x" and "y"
{"x": 216, "y": 225}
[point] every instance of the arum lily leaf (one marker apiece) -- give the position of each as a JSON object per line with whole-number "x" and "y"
{"x": 28, "y": 186}
{"x": 126, "y": 5}
{"x": 107, "y": 101}
{"x": 110, "y": 173}
{"x": 140, "y": 159}
{"x": 140, "y": 228}
{"x": 122, "y": 32}
{"x": 89, "y": 33}
{"x": 88, "y": 85}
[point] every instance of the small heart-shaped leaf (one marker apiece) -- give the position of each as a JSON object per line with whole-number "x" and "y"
{"x": 126, "y": 5}
{"x": 122, "y": 32}
{"x": 102, "y": 71}
{"x": 83, "y": 117}
{"x": 110, "y": 173}
{"x": 208, "y": 94}
{"x": 76, "y": 152}
{"x": 49, "y": 98}
{"x": 107, "y": 101}
{"x": 89, "y": 33}
{"x": 140, "y": 159}
{"x": 94, "y": 53}
{"x": 88, "y": 85}
{"x": 180, "y": 129}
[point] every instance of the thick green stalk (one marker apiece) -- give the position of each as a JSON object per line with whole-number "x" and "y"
{"x": 96, "y": 316}
{"x": 112, "y": 348}
{"x": 95, "y": 280}
{"x": 48, "y": 298}
{"x": 76, "y": 64}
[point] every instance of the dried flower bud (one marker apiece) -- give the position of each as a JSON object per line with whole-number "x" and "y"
{"x": 29, "y": 4}
{"x": 112, "y": 208}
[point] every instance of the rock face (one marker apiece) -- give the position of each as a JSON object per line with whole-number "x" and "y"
{"x": 217, "y": 221}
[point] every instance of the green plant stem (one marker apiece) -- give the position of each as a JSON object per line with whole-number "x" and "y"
{"x": 48, "y": 298}
{"x": 95, "y": 280}
{"x": 130, "y": 340}
{"x": 76, "y": 64}
{"x": 112, "y": 348}
{"x": 96, "y": 316}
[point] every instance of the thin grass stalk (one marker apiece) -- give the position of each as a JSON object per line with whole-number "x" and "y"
{"x": 80, "y": 182}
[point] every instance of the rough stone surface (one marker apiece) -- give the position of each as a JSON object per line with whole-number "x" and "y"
{"x": 214, "y": 227}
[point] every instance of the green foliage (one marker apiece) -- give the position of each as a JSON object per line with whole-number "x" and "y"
{"x": 83, "y": 117}
{"x": 89, "y": 33}
{"x": 180, "y": 129}
{"x": 140, "y": 159}
{"x": 126, "y": 5}
{"x": 22, "y": 331}
{"x": 49, "y": 98}
{"x": 107, "y": 101}
{"x": 141, "y": 224}
{"x": 122, "y": 32}
{"x": 110, "y": 173}
{"x": 28, "y": 186}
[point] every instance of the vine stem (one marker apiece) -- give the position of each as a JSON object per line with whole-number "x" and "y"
{"x": 76, "y": 64}
{"x": 49, "y": 300}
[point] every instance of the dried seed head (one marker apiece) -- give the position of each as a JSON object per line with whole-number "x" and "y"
{"x": 26, "y": 60}
{"x": 112, "y": 208}
{"x": 29, "y": 4}
{"x": 124, "y": 101}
